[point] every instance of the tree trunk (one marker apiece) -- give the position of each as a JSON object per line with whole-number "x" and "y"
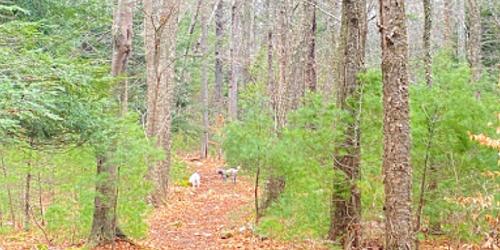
{"x": 27, "y": 188}
{"x": 247, "y": 39}
{"x": 160, "y": 28}
{"x": 448, "y": 24}
{"x": 396, "y": 160}
{"x": 427, "y": 41}
{"x": 474, "y": 39}
{"x": 460, "y": 13}
{"x": 9, "y": 194}
{"x": 280, "y": 92}
{"x": 330, "y": 56}
{"x": 270, "y": 48}
{"x": 235, "y": 59}
{"x": 204, "y": 83}
{"x": 104, "y": 223}
{"x": 256, "y": 195}
{"x": 27, "y": 203}
{"x": 346, "y": 198}
{"x": 274, "y": 187}
{"x": 40, "y": 199}
{"x": 310, "y": 41}
{"x": 219, "y": 62}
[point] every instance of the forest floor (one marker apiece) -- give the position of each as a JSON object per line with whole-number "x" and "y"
{"x": 218, "y": 215}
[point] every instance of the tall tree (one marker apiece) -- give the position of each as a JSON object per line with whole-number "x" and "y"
{"x": 346, "y": 199}
{"x": 328, "y": 57}
{"x": 460, "y": 25}
{"x": 236, "y": 63}
{"x": 204, "y": 81}
{"x": 310, "y": 41}
{"x": 397, "y": 170}
{"x": 247, "y": 21}
{"x": 280, "y": 90}
{"x": 448, "y": 23}
{"x": 427, "y": 41}
{"x": 474, "y": 38}
{"x": 270, "y": 49}
{"x": 104, "y": 228}
{"x": 160, "y": 28}
{"x": 219, "y": 62}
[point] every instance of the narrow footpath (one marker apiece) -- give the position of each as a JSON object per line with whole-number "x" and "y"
{"x": 218, "y": 215}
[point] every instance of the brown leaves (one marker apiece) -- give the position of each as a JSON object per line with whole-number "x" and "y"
{"x": 214, "y": 216}
{"x": 485, "y": 140}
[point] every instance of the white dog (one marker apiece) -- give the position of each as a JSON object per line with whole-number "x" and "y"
{"x": 195, "y": 179}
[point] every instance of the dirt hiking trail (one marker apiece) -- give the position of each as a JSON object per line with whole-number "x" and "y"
{"x": 218, "y": 215}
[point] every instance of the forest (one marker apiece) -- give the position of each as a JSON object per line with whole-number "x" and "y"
{"x": 249, "y": 124}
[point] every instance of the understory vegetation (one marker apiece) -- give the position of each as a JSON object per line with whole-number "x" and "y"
{"x": 64, "y": 118}
{"x": 461, "y": 191}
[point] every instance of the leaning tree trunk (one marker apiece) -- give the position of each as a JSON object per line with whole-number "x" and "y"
{"x": 104, "y": 222}
{"x": 427, "y": 41}
{"x": 474, "y": 39}
{"x": 160, "y": 28}
{"x": 346, "y": 198}
{"x": 397, "y": 170}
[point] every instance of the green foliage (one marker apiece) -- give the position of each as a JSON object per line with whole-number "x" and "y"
{"x": 71, "y": 189}
{"x": 451, "y": 106}
{"x": 302, "y": 153}
{"x": 57, "y": 112}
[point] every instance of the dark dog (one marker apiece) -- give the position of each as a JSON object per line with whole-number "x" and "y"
{"x": 233, "y": 172}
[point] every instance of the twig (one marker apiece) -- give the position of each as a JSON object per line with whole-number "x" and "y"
{"x": 431, "y": 121}
{"x": 45, "y": 235}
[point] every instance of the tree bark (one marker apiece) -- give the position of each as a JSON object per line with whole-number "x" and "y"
{"x": 396, "y": 160}
{"x": 104, "y": 223}
{"x": 27, "y": 188}
{"x": 448, "y": 24}
{"x": 247, "y": 39}
{"x": 427, "y": 41}
{"x": 474, "y": 39}
{"x": 219, "y": 62}
{"x": 40, "y": 199}
{"x": 270, "y": 49}
{"x": 235, "y": 59}
{"x": 460, "y": 13}
{"x": 280, "y": 92}
{"x": 204, "y": 83}
{"x": 346, "y": 198}
{"x": 27, "y": 203}
{"x": 160, "y": 28}
{"x": 330, "y": 57}
{"x": 310, "y": 41}
{"x": 9, "y": 194}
